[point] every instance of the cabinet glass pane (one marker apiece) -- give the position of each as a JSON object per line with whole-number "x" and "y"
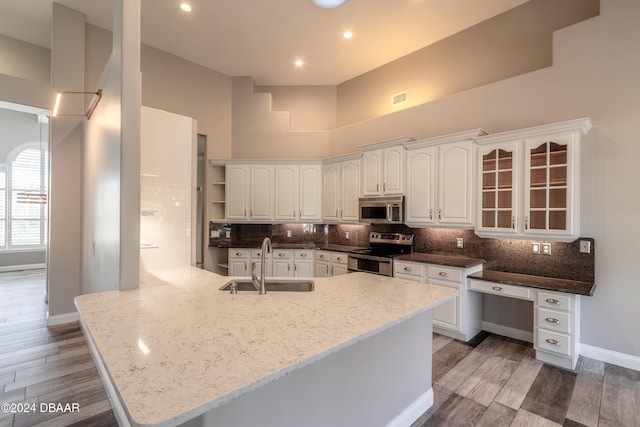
{"x": 557, "y": 154}
{"x": 538, "y": 199}
{"x": 558, "y": 198}
{"x": 504, "y": 219}
{"x": 504, "y": 199}
{"x": 489, "y": 161}
{"x": 558, "y": 176}
{"x": 557, "y": 220}
{"x": 488, "y": 180}
{"x": 488, "y": 219}
{"x": 505, "y": 179}
{"x": 538, "y": 220}
{"x": 488, "y": 199}
{"x": 538, "y": 177}
{"x": 539, "y": 155}
{"x": 505, "y": 160}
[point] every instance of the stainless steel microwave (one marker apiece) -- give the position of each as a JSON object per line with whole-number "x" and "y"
{"x": 381, "y": 210}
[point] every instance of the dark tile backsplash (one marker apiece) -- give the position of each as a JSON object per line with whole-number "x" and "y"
{"x": 514, "y": 256}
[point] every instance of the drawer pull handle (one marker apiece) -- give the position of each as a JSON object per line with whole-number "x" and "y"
{"x": 443, "y": 274}
{"x": 407, "y": 269}
{"x": 280, "y": 254}
{"x": 552, "y": 301}
{"x": 322, "y": 256}
{"x": 339, "y": 258}
{"x": 552, "y": 320}
{"x": 238, "y": 254}
{"x": 303, "y": 255}
{"x": 497, "y": 288}
{"x": 552, "y": 342}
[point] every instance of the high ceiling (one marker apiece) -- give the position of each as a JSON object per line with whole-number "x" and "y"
{"x": 263, "y": 38}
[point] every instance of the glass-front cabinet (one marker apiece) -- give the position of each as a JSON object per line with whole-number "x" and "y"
{"x": 529, "y": 182}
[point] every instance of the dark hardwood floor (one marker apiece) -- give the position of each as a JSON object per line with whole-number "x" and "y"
{"x": 490, "y": 381}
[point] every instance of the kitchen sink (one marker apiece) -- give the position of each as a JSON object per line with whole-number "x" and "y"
{"x": 274, "y": 285}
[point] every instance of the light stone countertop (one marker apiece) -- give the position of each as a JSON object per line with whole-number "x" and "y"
{"x": 179, "y": 347}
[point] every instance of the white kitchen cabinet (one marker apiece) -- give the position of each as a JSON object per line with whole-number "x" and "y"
{"x": 249, "y": 192}
{"x": 529, "y": 182}
{"x": 330, "y": 263}
{"x": 458, "y": 318}
{"x": 256, "y": 259}
{"x": 239, "y": 262}
{"x": 383, "y": 167}
{"x": 282, "y": 263}
{"x": 557, "y": 328}
{"x": 440, "y": 174}
{"x": 303, "y": 263}
{"x": 341, "y": 189}
{"x": 298, "y": 193}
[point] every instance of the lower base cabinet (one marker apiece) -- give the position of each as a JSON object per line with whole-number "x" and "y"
{"x": 459, "y": 318}
{"x": 330, "y": 263}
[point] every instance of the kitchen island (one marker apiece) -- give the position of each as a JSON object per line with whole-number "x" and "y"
{"x": 355, "y": 351}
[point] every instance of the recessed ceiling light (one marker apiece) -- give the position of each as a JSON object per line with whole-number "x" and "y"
{"x": 329, "y": 4}
{"x": 185, "y": 6}
{"x": 298, "y": 63}
{"x": 347, "y": 34}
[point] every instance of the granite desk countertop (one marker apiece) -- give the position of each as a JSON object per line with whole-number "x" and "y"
{"x": 178, "y": 347}
{"x": 321, "y": 246}
{"x": 539, "y": 282}
{"x": 449, "y": 260}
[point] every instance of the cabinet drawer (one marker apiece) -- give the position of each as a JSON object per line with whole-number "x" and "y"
{"x": 409, "y": 268}
{"x": 408, "y": 277}
{"x": 554, "y": 301}
{"x": 553, "y": 341}
{"x": 339, "y": 257}
{"x": 282, "y": 254}
{"x": 444, "y": 273}
{"x": 323, "y": 256}
{"x": 239, "y": 253}
{"x": 303, "y": 254}
{"x": 500, "y": 289}
{"x": 257, "y": 253}
{"x": 554, "y": 320}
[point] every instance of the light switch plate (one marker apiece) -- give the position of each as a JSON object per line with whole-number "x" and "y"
{"x": 546, "y": 249}
{"x": 289, "y": 233}
{"x": 585, "y": 246}
{"x": 459, "y": 242}
{"x": 535, "y": 248}
{"x": 347, "y": 235}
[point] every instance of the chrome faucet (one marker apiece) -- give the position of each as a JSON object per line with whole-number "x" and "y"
{"x": 259, "y": 283}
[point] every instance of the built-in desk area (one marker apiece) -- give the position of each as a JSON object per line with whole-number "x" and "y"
{"x": 556, "y": 323}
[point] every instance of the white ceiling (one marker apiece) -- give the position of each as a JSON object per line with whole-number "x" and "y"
{"x": 263, "y": 38}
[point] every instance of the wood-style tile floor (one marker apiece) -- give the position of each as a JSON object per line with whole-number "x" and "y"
{"x": 491, "y": 381}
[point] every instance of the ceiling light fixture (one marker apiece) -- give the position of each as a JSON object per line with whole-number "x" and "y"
{"x": 185, "y": 6}
{"x": 299, "y": 63}
{"x": 347, "y": 34}
{"x": 329, "y": 4}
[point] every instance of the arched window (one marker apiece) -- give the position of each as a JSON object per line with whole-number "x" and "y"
{"x": 23, "y": 193}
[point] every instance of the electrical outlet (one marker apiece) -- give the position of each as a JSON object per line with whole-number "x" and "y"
{"x": 546, "y": 249}
{"x": 289, "y": 234}
{"x": 585, "y": 246}
{"x": 460, "y": 242}
{"x": 347, "y": 235}
{"x": 535, "y": 248}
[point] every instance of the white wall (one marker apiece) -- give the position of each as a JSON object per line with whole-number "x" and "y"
{"x": 167, "y": 170}
{"x": 25, "y": 60}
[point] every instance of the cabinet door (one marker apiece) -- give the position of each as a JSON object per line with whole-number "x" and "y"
{"x": 455, "y": 190}
{"x": 322, "y": 269}
{"x": 420, "y": 185}
{"x": 303, "y": 268}
{"x": 239, "y": 267}
{"x": 350, "y": 186}
{"x": 371, "y": 169}
{"x": 498, "y": 188}
{"x": 331, "y": 192}
{"x": 548, "y": 185}
{"x": 237, "y": 178}
{"x": 287, "y": 190}
{"x": 283, "y": 267}
{"x": 338, "y": 269}
{"x": 448, "y": 315}
{"x": 262, "y": 192}
{"x": 393, "y": 170}
{"x": 310, "y": 196}
{"x": 268, "y": 267}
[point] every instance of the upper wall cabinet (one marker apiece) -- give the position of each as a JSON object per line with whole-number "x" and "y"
{"x": 298, "y": 192}
{"x": 249, "y": 192}
{"x": 341, "y": 189}
{"x": 529, "y": 182}
{"x": 383, "y": 167}
{"x": 440, "y": 174}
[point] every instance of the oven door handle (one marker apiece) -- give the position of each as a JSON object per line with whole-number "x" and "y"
{"x": 389, "y": 212}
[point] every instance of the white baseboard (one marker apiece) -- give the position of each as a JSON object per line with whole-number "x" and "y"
{"x": 61, "y": 319}
{"x": 413, "y": 411}
{"x": 610, "y": 356}
{"x": 22, "y": 267}
{"x": 506, "y": 331}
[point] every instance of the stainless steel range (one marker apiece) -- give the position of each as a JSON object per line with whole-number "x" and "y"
{"x": 378, "y": 258}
